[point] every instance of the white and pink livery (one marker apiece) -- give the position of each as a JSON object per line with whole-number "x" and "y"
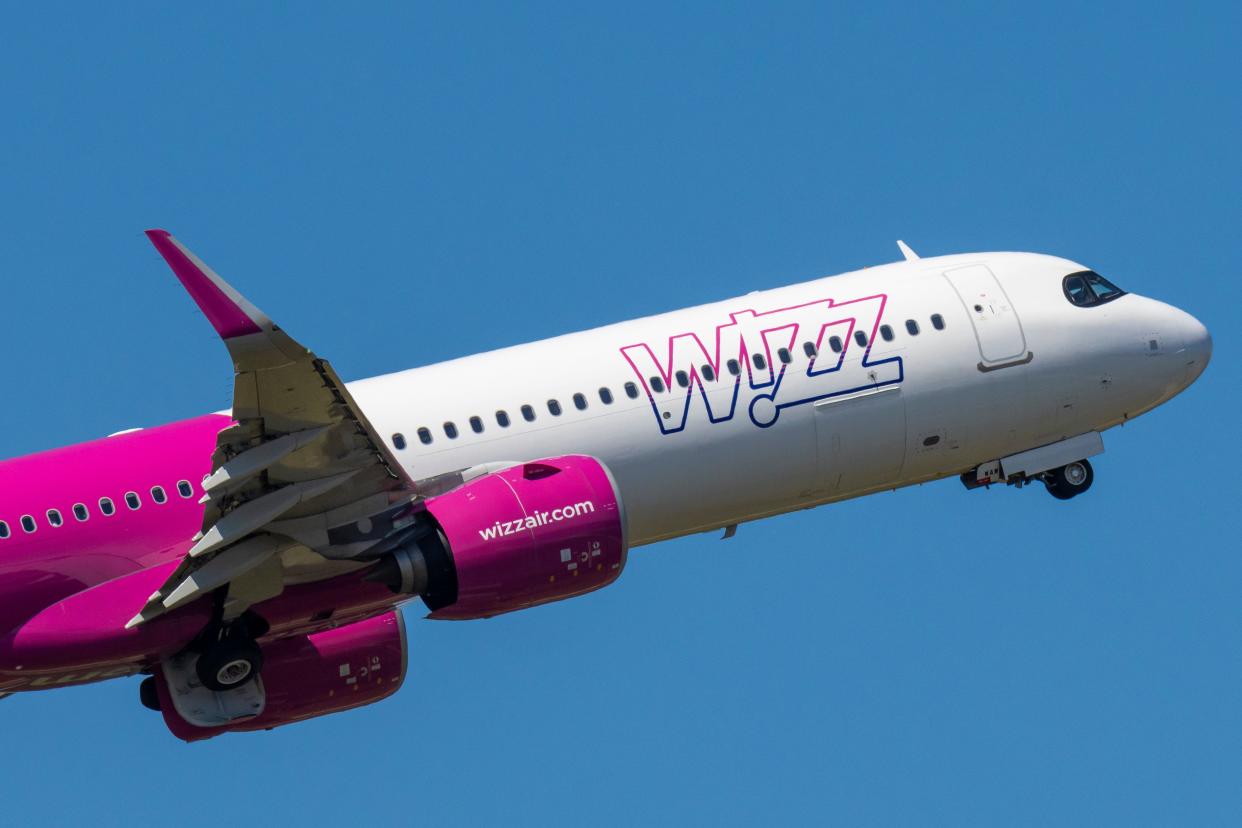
{"x": 254, "y": 563}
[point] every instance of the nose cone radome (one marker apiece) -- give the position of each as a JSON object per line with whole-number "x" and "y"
{"x": 1197, "y": 343}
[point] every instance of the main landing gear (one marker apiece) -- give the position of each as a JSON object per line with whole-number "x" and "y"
{"x": 230, "y": 660}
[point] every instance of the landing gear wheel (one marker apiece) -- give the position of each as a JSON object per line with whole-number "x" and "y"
{"x": 1070, "y": 480}
{"x": 148, "y": 695}
{"x": 230, "y": 663}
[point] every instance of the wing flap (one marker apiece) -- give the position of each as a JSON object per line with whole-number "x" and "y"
{"x": 300, "y": 452}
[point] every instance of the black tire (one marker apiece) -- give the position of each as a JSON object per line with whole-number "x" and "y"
{"x": 230, "y": 664}
{"x": 148, "y": 695}
{"x": 1070, "y": 480}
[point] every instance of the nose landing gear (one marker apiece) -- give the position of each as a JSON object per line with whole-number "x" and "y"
{"x": 1069, "y": 480}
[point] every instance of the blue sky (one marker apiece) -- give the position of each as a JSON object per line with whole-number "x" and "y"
{"x": 402, "y": 184}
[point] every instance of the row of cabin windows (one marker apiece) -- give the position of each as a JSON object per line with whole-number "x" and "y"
{"x": 657, "y": 384}
{"x": 107, "y": 508}
{"x": 528, "y": 414}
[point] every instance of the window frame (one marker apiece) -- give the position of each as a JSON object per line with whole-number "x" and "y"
{"x": 1094, "y": 300}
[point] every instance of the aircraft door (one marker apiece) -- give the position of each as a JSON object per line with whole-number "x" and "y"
{"x": 862, "y": 439}
{"x": 998, "y": 330}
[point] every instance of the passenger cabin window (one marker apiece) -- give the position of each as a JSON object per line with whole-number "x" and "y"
{"x": 106, "y": 507}
{"x": 760, "y": 361}
{"x": 157, "y": 494}
{"x": 784, "y": 355}
{"x": 398, "y": 441}
{"x": 28, "y": 524}
{"x": 734, "y": 368}
{"x": 937, "y": 321}
{"x": 450, "y": 431}
{"x": 528, "y": 414}
{"x": 887, "y": 333}
{"x": 861, "y": 338}
{"x": 605, "y": 396}
{"x": 579, "y": 402}
{"x": 4, "y": 530}
{"x": 476, "y": 425}
{"x": 808, "y": 348}
{"x": 631, "y": 390}
{"x": 657, "y": 385}
{"x": 683, "y": 379}
{"x": 54, "y": 518}
{"x": 131, "y": 500}
{"x": 502, "y": 419}
{"x": 79, "y": 512}
{"x": 1086, "y": 289}
{"x": 424, "y": 435}
{"x": 184, "y": 488}
{"x": 912, "y": 327}
{"x": 554, "y": 408}
{"x": 834, "y": 342}
{"x": 708, "y": 372}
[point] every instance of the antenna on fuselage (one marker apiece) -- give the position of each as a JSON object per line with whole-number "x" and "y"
{"x": 906, "y": 251}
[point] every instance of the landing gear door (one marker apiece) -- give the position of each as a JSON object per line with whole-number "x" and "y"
{"x": 997, "y": 327}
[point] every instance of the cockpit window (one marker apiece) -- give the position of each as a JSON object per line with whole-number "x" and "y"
{"x": 1088, "y": 288}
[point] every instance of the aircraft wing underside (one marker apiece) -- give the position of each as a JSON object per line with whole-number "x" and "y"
{"x": 301, "y": 484}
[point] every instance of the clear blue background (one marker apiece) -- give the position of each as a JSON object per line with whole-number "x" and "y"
{"x": 405, "y": 184}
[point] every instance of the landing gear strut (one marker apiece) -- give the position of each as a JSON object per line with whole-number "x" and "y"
{"x": 1070, "y": 480}
{"x": 228, "y": 655}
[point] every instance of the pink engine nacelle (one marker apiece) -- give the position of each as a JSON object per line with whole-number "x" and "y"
{"x": 534, "y": 533}
{"x": 306, "y": 676}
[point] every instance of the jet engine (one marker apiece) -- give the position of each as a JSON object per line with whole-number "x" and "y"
{"x": 303, "y": 677}
{"x": 526, "y": 535}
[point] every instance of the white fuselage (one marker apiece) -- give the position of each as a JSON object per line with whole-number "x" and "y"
{"x": 1014, "y": 365}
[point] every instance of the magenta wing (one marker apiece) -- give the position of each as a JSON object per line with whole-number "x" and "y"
{"x": 299, "y": 467}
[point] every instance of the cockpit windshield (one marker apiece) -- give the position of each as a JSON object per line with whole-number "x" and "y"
{"x": 1088, "y": 288}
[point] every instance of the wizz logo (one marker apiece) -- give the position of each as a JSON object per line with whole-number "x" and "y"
{"x": 756, "y": 358}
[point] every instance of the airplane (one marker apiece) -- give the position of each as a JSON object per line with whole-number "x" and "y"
{"x": 253, "y": 564}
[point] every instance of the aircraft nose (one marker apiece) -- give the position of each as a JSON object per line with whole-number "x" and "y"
{"x": 1198, "y": 346}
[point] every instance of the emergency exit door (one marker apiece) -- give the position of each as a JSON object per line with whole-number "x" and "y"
{"x": 997, "y": 327}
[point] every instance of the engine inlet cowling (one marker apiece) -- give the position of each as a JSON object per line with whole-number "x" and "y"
{"x": 527, "y": 535}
